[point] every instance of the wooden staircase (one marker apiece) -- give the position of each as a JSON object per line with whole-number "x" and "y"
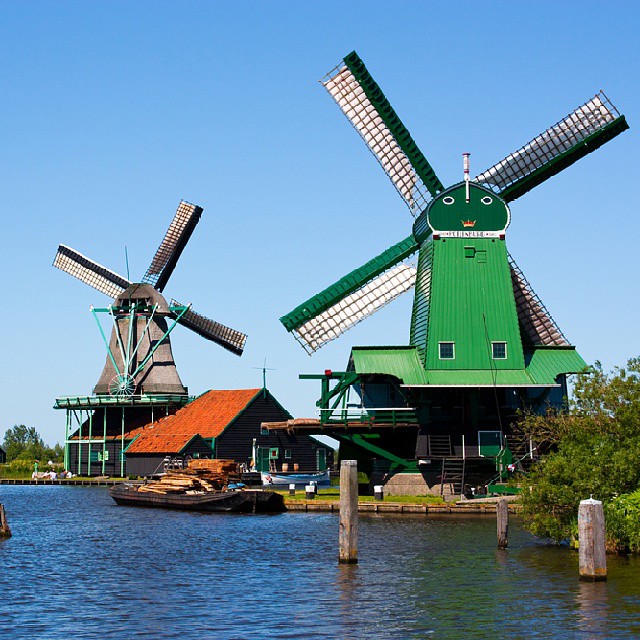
{"x": 452, "y": 477}
{"x": 440, "y": 445}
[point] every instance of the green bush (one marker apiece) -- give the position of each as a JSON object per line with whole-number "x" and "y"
{"x": 622, "y": 518}
{"x": 593, "y": 449}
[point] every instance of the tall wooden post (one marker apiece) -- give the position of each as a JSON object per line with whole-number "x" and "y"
{"x": 5, "y": 532}
{"x": 502, "y": 517}
{"x": 348, "y": 538}
{"x": 591, "y": 536}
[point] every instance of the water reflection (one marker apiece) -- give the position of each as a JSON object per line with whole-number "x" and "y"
{"x": 77, "y": 565}
{"x": 593, "y": 609}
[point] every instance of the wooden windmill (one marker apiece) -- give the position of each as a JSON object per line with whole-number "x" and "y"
{"x": 478, "y": 331}
{"x": 139, "y": 356}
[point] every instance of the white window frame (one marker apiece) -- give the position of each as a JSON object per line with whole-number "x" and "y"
{"x": 453, "y": 348}
{"x": 493, "y": 354}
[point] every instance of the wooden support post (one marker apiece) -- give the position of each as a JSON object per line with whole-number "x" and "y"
{"x": 5, "y": 532}
{"x": 502, "y": 517}
{"x": 591, "y": 536}
{"x": 348, "y": 538}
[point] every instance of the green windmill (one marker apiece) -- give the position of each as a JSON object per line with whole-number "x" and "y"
{"x": 482, "y": 345}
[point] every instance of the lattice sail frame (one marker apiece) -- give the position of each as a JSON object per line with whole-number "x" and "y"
{"x": 179, "y": 231}
{"x": 86, "y": 270}
{"x": 226, "y": 337}
{"x": 535, "y": 320}
{"x": 354, "y": 308}
{"x": 349, "y": 95}
{"x": 584, "y": 121}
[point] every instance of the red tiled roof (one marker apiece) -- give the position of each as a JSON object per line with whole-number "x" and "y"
{"x": 209, "y": 415}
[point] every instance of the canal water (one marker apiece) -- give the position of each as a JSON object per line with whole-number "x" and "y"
{"x": 78, "y": 566}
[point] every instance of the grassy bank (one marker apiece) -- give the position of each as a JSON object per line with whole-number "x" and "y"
{"x": 333, "y": 495}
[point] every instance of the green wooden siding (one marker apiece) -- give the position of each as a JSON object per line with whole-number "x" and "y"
{"x": 472, "y": 304}
{"x": 422, "y": 294}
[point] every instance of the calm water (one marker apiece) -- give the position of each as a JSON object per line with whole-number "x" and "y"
{"x": 78, "y": 566}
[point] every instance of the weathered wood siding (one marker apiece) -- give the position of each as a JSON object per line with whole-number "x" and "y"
{"x": 237, "y": 441}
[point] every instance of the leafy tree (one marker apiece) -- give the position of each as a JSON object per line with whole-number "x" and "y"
{"x": 593, "y": 449}
{"x": 21, "y": 441}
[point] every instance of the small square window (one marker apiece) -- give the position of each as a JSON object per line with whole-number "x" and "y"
{"x": 499, "y": 350}
{"x": 447, "y": 350}
{"x": 469, "y": 252}
{"x": 264, "y": 431}
{"x": 287, "y": 454}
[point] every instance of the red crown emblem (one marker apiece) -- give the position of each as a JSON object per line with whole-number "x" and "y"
{"x": 468, "y": 223}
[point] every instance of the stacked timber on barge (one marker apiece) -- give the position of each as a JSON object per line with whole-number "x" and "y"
{"x": 200, "y": 475}
{"x": 205, "y": 485}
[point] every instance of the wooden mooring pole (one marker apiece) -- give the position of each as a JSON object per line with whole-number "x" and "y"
{"x": 592, "y": 540}
{"x": 348, "y": 538}
{"x": 5, "y": 531}
{"x": 502, "y": 517}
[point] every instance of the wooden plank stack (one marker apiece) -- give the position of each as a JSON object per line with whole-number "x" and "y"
{"x": 200, "y": 475}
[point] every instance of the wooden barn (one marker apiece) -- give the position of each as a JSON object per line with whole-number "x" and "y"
{"x": 225, "y": 424}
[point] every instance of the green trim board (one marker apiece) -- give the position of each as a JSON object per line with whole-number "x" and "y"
{"x": 393, "y": 122}
{"x": 349, "y": 283}
{"x": 88, "y": 402}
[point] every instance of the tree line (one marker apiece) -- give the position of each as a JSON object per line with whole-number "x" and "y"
{"x": 25, "y": 443}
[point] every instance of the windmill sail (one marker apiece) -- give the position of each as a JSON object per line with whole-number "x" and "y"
{"x": 355, "y": 307}
{"x": 353, "y": 298}
{"x": 90, "y": 272}
{"x": 178, "y": 234}
{"x": 368, "y": 110}
{"x": 584, "y": 130}
{"x": 536, "y": 323}
{"x": 226, "y": 337}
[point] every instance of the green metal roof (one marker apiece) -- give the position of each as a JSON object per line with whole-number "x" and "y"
{"x": 349, "y": 283}
{"x": 545, "y": 363}
{"x": 401, "y": 362}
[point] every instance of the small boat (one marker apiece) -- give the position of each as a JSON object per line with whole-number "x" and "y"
{"x": 299, "y": 479}
{"x": 233, "y": 501}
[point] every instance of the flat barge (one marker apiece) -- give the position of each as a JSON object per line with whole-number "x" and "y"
{"x": 232, "y": 501}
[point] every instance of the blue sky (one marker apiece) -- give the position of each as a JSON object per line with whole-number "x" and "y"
{"x": 114, "y": 111}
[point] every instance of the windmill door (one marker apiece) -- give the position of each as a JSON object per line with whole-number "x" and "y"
{"x": 262, "y": 461}
{"x": 489, "y": 443}
{"x": 321, "y": 459}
